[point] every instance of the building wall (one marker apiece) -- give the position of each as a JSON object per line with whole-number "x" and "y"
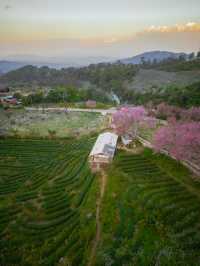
{"x": 97, "y": 166}
{"x": 100, "y": 159}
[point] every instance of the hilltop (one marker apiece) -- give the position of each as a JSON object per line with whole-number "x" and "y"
{"x": 152, "y": 56}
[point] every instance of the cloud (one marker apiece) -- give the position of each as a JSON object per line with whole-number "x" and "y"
{"x": 187, "y": 27}
{"x": 179, "y": 38}
{"x": 111, "y": 40}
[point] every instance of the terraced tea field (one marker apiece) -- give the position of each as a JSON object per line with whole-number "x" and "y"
{"x": 44, "y": 186}
{"x": 151, "y": 215}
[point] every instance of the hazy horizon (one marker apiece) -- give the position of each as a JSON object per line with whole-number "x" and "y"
{"x": 97, "y": 29}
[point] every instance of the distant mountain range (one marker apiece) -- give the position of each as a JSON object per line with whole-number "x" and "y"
{"x": 151, "y": 56}
{"x": 15, "y": 62}
{"x": 6, "y": 66}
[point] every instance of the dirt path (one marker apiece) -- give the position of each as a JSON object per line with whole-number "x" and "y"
{"x": 103, "y": 180}
{"x": 133, "y": 150}
{"x": 95, "y": 110}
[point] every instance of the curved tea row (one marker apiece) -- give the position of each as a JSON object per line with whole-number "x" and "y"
{"x": 156, "y": 217}
{"x": 43, "y": 185}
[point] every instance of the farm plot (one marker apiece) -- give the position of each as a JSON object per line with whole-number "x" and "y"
{"x": 151, "y": 214}
{"x": 31, "y": 124}
{"x": 44, "y": 190}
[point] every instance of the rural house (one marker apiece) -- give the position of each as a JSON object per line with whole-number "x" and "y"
{"x": 103, "y": 150}
{"x": 10, "y": 100}
{"x": 91, "y": 104}
{"x": 4, "y": 91}
{"x": 126, "y": 139}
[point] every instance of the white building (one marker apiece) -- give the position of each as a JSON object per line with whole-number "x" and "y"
{"x": 103, "y": 150}
{"x": 126, "y": 139}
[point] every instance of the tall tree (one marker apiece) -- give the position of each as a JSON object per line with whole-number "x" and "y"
{"x": 181, "y": 140}
{"x": 191, "y": 56}
{"x": 127, "y": 119}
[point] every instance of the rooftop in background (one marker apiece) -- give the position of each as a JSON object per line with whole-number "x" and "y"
{"x": 4, "y": 89}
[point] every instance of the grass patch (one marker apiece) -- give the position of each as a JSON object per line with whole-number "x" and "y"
{"x": 52, "y": 124}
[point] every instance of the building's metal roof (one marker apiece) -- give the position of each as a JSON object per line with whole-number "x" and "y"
{"x": 105, "y": 144}
{"x": 126, "y": 139}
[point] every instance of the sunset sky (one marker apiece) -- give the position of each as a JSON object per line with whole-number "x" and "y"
{"x": 114, "y": 28}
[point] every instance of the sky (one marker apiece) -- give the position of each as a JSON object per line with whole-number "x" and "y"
{"x": 110, "y": 28}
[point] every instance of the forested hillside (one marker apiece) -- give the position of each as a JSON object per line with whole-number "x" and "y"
{"x": 186, "y": 96}
{"x": 106, "y": 76}
{"x": 176, "y": 65}
{"x": 175, "y": 81}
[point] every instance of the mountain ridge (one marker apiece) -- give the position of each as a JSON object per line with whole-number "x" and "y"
{"x": 9, "y": 63}
{"x": 151, "y": 56}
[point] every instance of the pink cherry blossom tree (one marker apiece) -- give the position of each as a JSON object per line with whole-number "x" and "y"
{"x": 165, "y": 111}
{"x": 127, "y": 119}
{"x": 149, "y": 122}
{"x": 192, "y": 114}
{"x": 181, "y": 140}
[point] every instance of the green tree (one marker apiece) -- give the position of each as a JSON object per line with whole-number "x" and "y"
{"x": 191, "y": 56}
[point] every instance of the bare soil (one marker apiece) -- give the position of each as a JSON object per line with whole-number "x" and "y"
{"x": 103, "y": 181}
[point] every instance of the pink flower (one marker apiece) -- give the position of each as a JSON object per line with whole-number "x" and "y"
{"x": 127, "y": 118}
{"x": 181, "y": 140}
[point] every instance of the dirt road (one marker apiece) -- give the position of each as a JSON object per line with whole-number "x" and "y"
{"x": 50, "y": 109}
{"x": 102, "y": 181}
